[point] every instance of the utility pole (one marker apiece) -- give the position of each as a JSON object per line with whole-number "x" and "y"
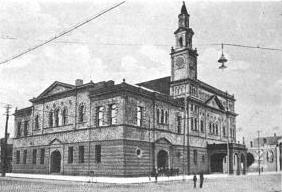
{"x": 258, "y": 154}
{"x": 4, "y": 147}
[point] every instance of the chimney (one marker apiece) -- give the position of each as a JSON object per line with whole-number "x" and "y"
{"x": 78, "y": 82}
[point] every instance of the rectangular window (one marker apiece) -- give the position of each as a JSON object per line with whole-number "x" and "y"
{"x": 192, "y": 123}
{"x": 42, "y": 156}
{"x": 81, "y": 154}
{"x": 24, "y": 156}
{"x": 178, "y": 124}
{"x": 70, "y": 155}
{"x": 98, "y": 153}
{"x": 34, "y": 153}
{"x": 140, "y": 116}
{"x": 18, "y": 157}
{"x": 19, "y": 129}
{"x": 25, "y": 128}
{"x": 202, "y": 126}
{"x": 100, "y": 116}
{"x": 223, "y": 131}
{"x": 195, "y": 156}
{"x": 196, "y": 124}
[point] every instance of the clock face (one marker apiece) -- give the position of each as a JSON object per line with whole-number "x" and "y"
{"x": 180, "y": 62}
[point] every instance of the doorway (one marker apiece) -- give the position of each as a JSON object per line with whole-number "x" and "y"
{"x": 162, "y": 159}
{"x": 55, "y": 162}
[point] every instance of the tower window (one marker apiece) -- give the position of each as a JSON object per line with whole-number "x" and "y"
{"x": 100, "y": 116}
{"x": 113, "y": 114}
{"x": 139, "y": 116}
{"x": 180, "y": 41}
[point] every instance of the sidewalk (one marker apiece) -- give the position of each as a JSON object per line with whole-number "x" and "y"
{"x": 123, "y": 180}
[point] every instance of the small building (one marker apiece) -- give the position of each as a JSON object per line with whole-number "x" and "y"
{"x": 265, "y": 153}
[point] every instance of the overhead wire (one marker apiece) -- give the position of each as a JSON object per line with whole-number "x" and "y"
{"x": 62, "y": 33}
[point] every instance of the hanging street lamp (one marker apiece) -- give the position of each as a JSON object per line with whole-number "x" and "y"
{"x": 222, "y": 59}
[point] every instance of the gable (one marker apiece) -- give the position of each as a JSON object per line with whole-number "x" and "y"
{"x": 214, "y": 102}
{"x": 55, "y": 142}
{"x": 56, "y": 87}
{"x": 163, "y": 141}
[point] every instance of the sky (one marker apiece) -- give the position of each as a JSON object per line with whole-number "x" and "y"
{"x": 133, "y": 42}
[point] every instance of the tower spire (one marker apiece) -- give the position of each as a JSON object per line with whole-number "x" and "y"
{"x": 183, "y": 9}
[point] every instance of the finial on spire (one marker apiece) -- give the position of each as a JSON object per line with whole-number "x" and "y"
{"x": 183, "y": 9}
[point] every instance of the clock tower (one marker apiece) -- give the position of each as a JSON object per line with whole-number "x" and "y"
{"x": 183, "y": 56}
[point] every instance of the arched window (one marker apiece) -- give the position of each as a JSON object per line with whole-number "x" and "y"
{"x": 50, "y": 120}
{"x": 162, "y": 116}
{"x": 113, "y": 114}
{"x": 65, "y": 116}
{"x": 36, "y": 122}
{"x": 180, "y": 40}
{"x": 158, "y": 116}
{"x": 56, "y": 117}
{"x": 100, "y": 116}
{"x": 166, "y": 117}
{"x": 216, "y": 129}
{"x": 81, "y": 112}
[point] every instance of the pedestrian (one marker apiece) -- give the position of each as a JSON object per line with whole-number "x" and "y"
{"x": 156, "y": 175}
{"x": 201, "y": 179}
{"x": 195, "y": 180}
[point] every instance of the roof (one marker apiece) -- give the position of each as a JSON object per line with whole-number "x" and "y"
{"x": 183, "y": 9}
{"x": 23, "y": 112}
{"x": 161, "y": 85}
{"x": 133, "y": 89}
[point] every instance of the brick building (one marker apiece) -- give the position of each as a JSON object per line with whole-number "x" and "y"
{"x": 173, "y": 123}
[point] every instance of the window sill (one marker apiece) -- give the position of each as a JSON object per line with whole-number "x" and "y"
{"x": 57, "y": 126}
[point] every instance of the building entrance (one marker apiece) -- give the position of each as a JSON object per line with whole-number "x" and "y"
{"x": 217, "y": 161}
{"x": 162, "y": 159}
{"x": 55, "y": 162}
